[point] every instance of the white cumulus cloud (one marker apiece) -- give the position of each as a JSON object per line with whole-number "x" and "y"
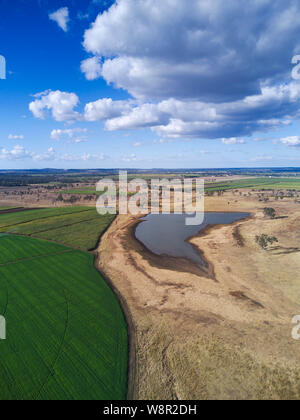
{"x": 61, "y": 104}
{"x": 190, "y": 75}
{"x": 49, "y": 155}
{"x": 174, "y": 118}
{"x": 146, "y": 115}
{"x": 91, "y": 67}
{"x": 293, "y": 141}
{"x": 161, "y": 49}
{"x": 105, "y": 109}
{"x": 61, "y": 17}
{"x": 16, "y": 153}
{"x": 70, "y": 133}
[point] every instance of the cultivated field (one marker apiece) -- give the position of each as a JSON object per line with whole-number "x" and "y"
{"x": 265, "y": 183}
{"x": 79, "y": 227}
{"x": 66, "y": 333}
{"x": 275, "y": 184}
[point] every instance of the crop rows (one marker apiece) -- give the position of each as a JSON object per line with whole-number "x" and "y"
{"x": 66, "y": 333}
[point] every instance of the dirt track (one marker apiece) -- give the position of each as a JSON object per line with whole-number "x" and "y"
{"x": 236, "y": 331}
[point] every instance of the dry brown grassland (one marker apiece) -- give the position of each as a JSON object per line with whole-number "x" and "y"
{"x": 220, "y": 334}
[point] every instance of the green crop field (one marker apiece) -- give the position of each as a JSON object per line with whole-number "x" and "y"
{"x": 17, "y": 248}
{"x": 250, "y": 183}
{"x": 256, "y": 184}
{"x": 66, "y": 333}
{"x": 79, "y": 227}
{"x": 12, "y": 219}
{"x": 87, "y": 191}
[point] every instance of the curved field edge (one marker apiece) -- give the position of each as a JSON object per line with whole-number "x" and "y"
{"x": 132, "y": 331}
{"x": 66, "y": 332}
{"x": 78, "y": 227}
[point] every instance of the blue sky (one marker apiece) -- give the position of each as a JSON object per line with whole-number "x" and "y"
{"x": 145, "y": 84}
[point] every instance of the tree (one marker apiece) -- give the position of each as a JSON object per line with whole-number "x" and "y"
{"x": 73, "y": 199}
{"x": 269, "y": 212}
{"x": 265, "y": 240}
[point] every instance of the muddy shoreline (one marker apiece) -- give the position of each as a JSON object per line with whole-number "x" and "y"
{"x": 178, "y": 264}
{"x": 182, "y": 264}
{"x": 209, "y": 228}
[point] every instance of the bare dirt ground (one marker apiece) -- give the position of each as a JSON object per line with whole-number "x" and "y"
{"x": 39, "y": 196}
{"x": 224, "y": 333}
